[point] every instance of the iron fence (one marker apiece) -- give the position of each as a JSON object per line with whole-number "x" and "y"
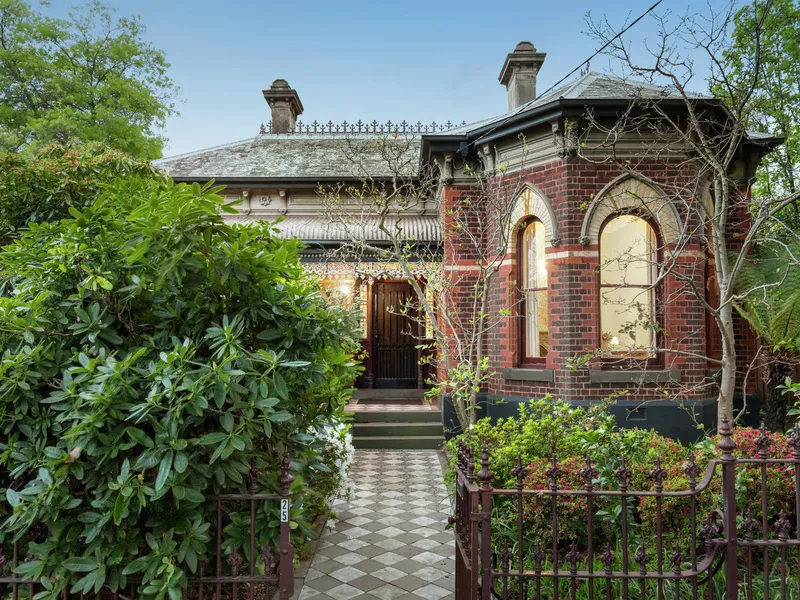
{"x": 226, "y": 573}
{"x": 721, "y": 549}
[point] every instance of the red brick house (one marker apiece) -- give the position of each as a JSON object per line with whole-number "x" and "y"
{"x": 585, "y": 241}
{"x": 583, "y": 244}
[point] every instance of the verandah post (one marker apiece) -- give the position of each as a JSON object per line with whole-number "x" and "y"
{"x": 727, "y": 446}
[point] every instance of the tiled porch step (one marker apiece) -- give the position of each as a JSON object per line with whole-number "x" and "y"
{"x": 399, "y": 442}
{"x": 390, "y": 394}
{"x": 430, "y": 428}
{"x": 406, "y": 416}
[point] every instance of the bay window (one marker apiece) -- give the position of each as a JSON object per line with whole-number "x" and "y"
{"x": 628, "y": 270}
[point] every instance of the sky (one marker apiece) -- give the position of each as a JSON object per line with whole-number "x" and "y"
{"x": 407, "y": 60}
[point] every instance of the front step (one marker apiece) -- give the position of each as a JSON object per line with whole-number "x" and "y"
{"x": 415, "y": 429}
{"x": 399, "y": 443}
{"x": 404, "y": 416}
{"x": 390, "y": 394}
{"x": 425, "y": 429}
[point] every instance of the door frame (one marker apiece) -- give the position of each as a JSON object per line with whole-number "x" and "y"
{"x": 369, "y": 380}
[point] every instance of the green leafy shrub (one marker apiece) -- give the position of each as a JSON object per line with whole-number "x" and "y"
{"x": 151, "y": 355}
{"x": 543, "y": 428}
{"x": 44, "y": 186}
{"x": 571, "y": 434}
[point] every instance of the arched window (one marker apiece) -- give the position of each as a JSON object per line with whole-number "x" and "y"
{"x": 533, "y": 291}
{"x": 628, "y": 268}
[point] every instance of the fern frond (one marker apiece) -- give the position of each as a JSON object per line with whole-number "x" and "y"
{"x": 755, "y": 312}
{"x": 778, "y": 264}
{"x": 750, "y": 278}
{"x": 785, "y": 325}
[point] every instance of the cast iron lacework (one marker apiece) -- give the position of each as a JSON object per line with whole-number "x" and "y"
{"x": 374, "y": 127}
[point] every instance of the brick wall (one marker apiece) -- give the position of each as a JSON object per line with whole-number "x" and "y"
{"x": 574, "y": 296}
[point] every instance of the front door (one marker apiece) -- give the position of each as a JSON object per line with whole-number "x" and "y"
{"x": 394, "y": 336}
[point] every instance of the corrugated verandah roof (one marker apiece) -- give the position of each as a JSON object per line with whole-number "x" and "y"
{"x": 419, "y": 228}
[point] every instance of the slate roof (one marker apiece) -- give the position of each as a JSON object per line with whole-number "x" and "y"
{"x": 319, "y": 156}
{"x": 282, "y": 156}
{"x": 590, "y": 86}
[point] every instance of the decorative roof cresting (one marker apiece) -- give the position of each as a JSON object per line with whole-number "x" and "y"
{"x": 369, "y": 128}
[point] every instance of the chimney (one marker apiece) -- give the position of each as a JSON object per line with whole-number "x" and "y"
{"x": 285, "y": 105}
{"x": 519, "y": 74}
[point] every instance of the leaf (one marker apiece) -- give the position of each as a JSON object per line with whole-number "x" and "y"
{"x": 104, "y": 283}
{"x": 137, "y": 566}
{"x": 79, "y": 564}
{"x": 120, "y": 506}
{"x": 280, "y": 416}
{"x": 163, "y": 471}
{"x": 14, "y": 499}
{"x": 27, "y": 567}
{"x": 219, "y": 450}
{"x": 227, "y": 421}
{"x": 45, "y": 477}
{"x": 219, "y": 393}
{"x": 281, "y": 389}
{"x": 294, "y": 364}
{"x": 213, "y": 438}
{"x": 181, "y": 462}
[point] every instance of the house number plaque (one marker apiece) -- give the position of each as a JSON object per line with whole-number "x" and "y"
{"x": 284, "y": 510}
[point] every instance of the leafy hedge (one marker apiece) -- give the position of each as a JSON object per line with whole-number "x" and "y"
{"x": 43, "y": 186}
{"x": 548, "y": 427}
{"x": 148, "y": 353}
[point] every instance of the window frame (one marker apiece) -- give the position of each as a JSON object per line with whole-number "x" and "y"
{"x": 629, "y": 362}
{"x": 523, "y": 360}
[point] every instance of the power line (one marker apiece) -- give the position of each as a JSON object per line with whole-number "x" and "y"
{"x": 552, "y": 87}
{"x": 606, "y": 45}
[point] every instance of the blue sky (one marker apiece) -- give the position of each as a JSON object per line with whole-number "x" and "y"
{"x": 413, "y": 60}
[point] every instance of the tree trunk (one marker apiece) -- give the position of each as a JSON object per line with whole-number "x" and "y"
{"x": 727, "y": 384}
{"x": 776, "y": 403}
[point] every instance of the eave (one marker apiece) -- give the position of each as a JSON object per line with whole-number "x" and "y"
{"x": 557, "y": 109}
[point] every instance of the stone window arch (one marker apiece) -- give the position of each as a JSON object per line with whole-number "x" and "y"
{"x": 532, "y": 203}
{"x": 631, "y": 195}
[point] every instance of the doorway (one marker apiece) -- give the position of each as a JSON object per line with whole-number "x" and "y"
{"x": 394, "y": 336}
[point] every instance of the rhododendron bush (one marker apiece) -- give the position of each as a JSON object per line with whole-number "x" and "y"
{"x": 151, "y": 356}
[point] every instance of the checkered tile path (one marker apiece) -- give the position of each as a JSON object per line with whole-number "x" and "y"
{"x": 390, "y": 540}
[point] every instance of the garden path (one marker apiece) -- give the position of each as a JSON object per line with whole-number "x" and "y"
{"x": 389, "y": 541}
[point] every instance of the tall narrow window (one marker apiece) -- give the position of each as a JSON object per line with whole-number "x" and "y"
{"x": 628, "y": 263}
{"x": 533, "y": 286}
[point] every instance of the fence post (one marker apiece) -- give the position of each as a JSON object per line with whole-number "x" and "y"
{"x": 485, "y": 476}
{"x": 727, "y": 446}
{"x": 286, "y": 574}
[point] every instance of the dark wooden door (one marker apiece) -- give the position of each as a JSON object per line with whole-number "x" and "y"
{"x": 394, "y": 339}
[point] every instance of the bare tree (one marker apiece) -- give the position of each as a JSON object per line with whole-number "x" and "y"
{"x": 704, "y": 138}
{"x": 452, "y": 302}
